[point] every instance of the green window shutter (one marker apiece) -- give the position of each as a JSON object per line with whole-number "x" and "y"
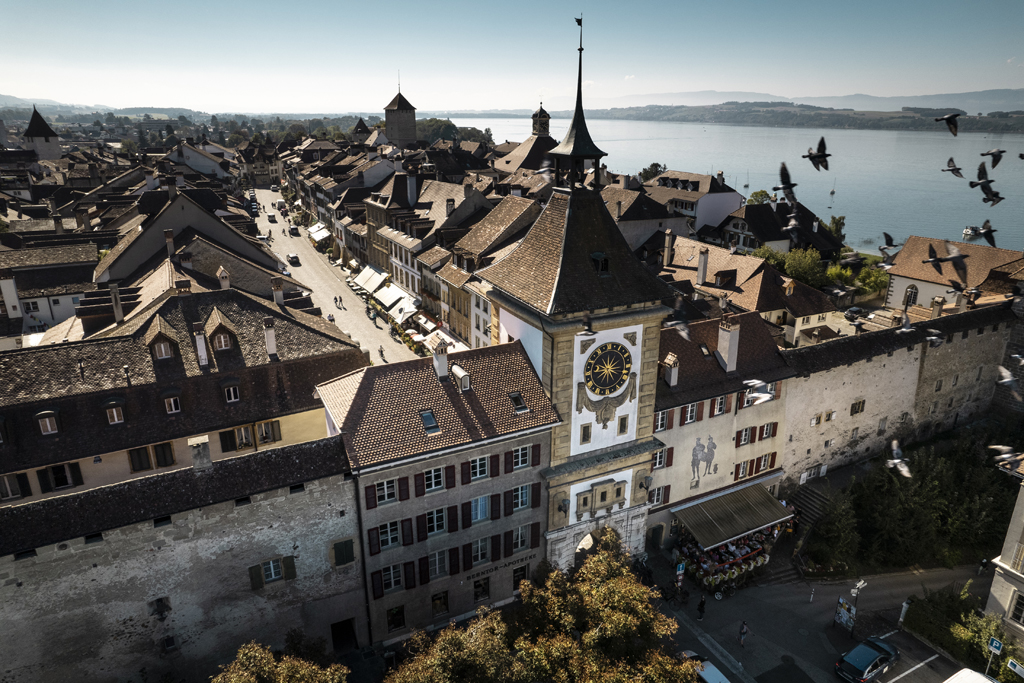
{"x": 45, "y": 485}
{"x": 23, "y": 485}
{"x": 276, "y": 426}
{"x": 76, "y": 474}
{"x": 256, "y": 576}
{"x": 227, "y": 441}
{"x": 289, "y": 567}
{"x": 344, "y": 553}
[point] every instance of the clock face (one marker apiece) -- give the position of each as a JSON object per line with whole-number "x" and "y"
{"x": 607, "y": 368}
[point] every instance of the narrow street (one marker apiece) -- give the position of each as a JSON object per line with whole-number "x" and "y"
{"x": 327, "y": 281}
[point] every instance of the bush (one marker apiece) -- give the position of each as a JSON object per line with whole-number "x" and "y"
{"x": 835, "y": 540}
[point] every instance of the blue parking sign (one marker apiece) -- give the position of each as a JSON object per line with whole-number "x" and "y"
{"x": 995, "y": 646}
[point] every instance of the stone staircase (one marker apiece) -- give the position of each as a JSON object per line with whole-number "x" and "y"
{"x": 781, "y": 569}
{"x": 811, "y": 501}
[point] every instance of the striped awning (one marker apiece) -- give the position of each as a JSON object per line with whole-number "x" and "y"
{"x": 728, "y": 517}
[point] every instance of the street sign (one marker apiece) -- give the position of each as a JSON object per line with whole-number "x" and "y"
{"x": 1016, "y": 668}
{"x": 995, "y": 646}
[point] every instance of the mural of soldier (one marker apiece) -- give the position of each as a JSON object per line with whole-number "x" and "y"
{"x": 709, "y": 455}
{"x": 698, "y": 455}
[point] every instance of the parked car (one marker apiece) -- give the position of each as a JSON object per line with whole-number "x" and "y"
{"x": 272, "y": 217}
{"x": 293, "y": 230}
{"x": 853, "y": 313}
{"x": 262, "y": 238}
{"x": 868, "y": 661}
{"x": 273, "y": 188}
{"x": 709, "y": 672}
{"x": 293, "y": 259}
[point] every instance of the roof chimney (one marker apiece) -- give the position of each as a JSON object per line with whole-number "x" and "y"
{"x": 671, "y": 369}
{"x": 441, "y": 360}
{"x": 277, "y": 284}
{"x": 772, "y": 201}
{"x": 172, "y": 190}
{"x": 186, "y": 260}
{"x": 410, "y": 189}
{"x": 462, "y": 378}
{"x": 816, "y": 336}
{"x": 115, "y": 299}
{"x": 82, "y": 218}
{"x": 200, "y": 446}
{"x": 197, "y": 330}
{"x": 666, "y": 253}
{"x": 618, "y": 210}
{"x": 449, "y": 206}
{"x": 169, "y": 239}
{"x": 268, "y": 331}
{"x": 184, "y": 287}
{"x": 151, "y": 183}
{"x": 721, "y": 179}
{"x": 702, "y": 266}
{"x": 937, "y": 304}
{"x": 224, "y": 277}
{"x": 728, "y": 343}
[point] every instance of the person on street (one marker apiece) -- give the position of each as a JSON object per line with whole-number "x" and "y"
{"x": 335, "y": 301}
{"x": 982, "y": 566}
{"x": 744, "y": 632}
{"x": 700, "y": 608}
{"x": 381, "y": 351}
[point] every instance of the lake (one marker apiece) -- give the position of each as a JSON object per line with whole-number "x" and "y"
{"x": 884, "y": 180}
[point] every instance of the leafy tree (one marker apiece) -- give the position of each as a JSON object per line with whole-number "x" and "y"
{"x": 432, "y": 130}
{"x": 147, "y": 117}
{"x": 874, "y": 279}
{"x": 320, "y": 133}
{"x": 169, "y": 129}
{"x": 472, "y": 134}
{"x": 110, "y": 118}
{"x": 143, "y": 139}
{"x": 97, "y": 123}
{"x": 235, "y": 140}
{"x": 836, "y": 273}
{"x": 805, "y": 265}
{"x": 836, "y": 225}
{"x": 835, "y": 539}
{"x": 214, "y": 123}
{"x": 129, "y": 147}
{"x": 758, "y": 197}
{"x": 255, "y": 663}
{"x": 652, "y": 172}
{"x": 776, "y": 259}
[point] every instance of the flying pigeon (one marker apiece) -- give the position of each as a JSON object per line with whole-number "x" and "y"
{"x": 933, "y": 258}
{"x": 785, "y": 185}
{"x": 1006, "y": 454}
{"x": 957, "y": 259}
{"x": 681, "y": 327}
{"x": 889, "y": 242}
{"x": 858, "y": 325}
{"x": 991, "y": 196}
{"x": 986, "y": 232}
{"x": 1018, "y": 357}
{"x": 887, "y": 262}
{"x": 982, "y": 180}
{"x": 856, "y": 260}
{"x": 906, "y": 325}
{"x": 897, "y": 460}
{"x": 934, "y": 338}
{"x": 1007, "y": 379}
{"x": 818, "y": 159}
{"x": 959, "y": 288}
{"x": 996, "y": 154}
{"x": 950, "y": 120}
{"x": 953, "y": 168}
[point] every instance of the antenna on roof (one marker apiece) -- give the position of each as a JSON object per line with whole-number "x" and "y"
{"x": 399, "y": 80}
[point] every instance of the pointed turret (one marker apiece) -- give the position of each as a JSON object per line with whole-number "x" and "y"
{"x": 577, "y": 146}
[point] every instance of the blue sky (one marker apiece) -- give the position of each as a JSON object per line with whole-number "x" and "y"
{"x": 316, "y": 56}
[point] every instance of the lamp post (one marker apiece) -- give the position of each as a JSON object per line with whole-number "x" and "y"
{"x": 855, "y": 592}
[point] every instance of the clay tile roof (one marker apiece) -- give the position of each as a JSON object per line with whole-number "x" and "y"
{"x": 218, "y": 319}
{"x": 433, "y": 256}
{"x": 378, "y": 408}
{"x": 49, "y": 256}
{"x": 981, "y": 260}
{"x": 399, "y": 103}
{"x": 636, "y": 206}
{"x": 453, "y": 275}
{"x": 509, "y": 216}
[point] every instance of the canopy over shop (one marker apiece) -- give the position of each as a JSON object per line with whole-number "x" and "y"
{"x": 318, "y": 233}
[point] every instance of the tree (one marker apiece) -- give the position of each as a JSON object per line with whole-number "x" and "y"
{"x": 169, "y": 129}
{"x": 235, "y": 140}
{"x": 835, "y": 539}
{"x": 836, "y": 273}
{"x": 776, "y": 259}
{"x": 805, "y": 265}
{"x": 472, "y": 134}
{"x": 129, "y": 147}
{"x": 836, "y": 225}
{"x": 432, "y": 130}
{"x": 214, "y": 123}
{"x": 652, "y": 172}
{"x": 874, "y": 279}
{"x": 255, "y": 663}
{"x": 147, "y": 117}
{"x": 758, "y": 197}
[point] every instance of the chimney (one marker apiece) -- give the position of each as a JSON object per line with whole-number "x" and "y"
{"x": 937, "y": 304}
{"x": 169, "y": 239}
{"x": 58, "y": 223}
{"x": 666, "y": 253}
{"x": 172, "y": 190}
{"x": 462, "y": 378}
{"x": 772, "y": 201}
{"x": 467, "y": 190}
{"x": 115, "y": 299}
{"x": 618, "y": 210}
{"x": 671, "y": 369}
{"x": 728, "y": 344}
{"x": 277, "y": 284}
{"x": 224, "y": 277}
{"x": 151, "y": 183}
{"x": 410, "y": 188}
{"x": 186, "y": 260}
{"x": 961, "y": 302}
{"x": 82, "y": 218}
{"x": 200, "y": 446}
{"x": 449, "y": 206}
{"x": 197, "y": 331}
{"x": 94, "y": 173}
{"x": 702, "y": 266}
{"x": 179, "y": 179}
{"x": 268, "y": 331}
{"x": 184, "y": 287}
{"x": 721, "y": 179}
{"x": 441, "y": 360}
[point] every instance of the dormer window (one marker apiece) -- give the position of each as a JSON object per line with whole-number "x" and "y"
{"x": 518, "y": 404}
{"x": 172, "y": 405}
{"x": 221, "y": 341}
{"x": 600, "y": 262}
{"x": 429, "y": 422}
{"x": 162, "y": 350}
{"x": 115, "y": 415}
{"x": 48, "y": 423}
{"x": 231, "y": 394}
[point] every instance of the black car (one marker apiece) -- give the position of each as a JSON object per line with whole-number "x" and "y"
{"x": 853, "y": 313}
{"x": 867, "y": 661}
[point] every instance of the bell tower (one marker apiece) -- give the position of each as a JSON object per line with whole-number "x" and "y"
{"x": 541, "y": 121}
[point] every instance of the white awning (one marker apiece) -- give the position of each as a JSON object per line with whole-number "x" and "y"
{"x": 353, "y": 264}
{"x": 425, "y": 323}
{"x": 389, "y": 296}
{"x": 319, "y": 235}
{"x": 375, "y": 281}
{"x": 364, "y": 276}
{"x": 404, "y": 310}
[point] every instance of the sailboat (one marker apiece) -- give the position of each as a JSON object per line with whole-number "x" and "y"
{"x": 747, "y": 184}
{"x": 832, "y": 194}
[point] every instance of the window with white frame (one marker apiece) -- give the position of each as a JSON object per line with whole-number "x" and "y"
{"x": 657, "y": 495}
{"x": 435, "y": 521}
{"x": 830, "y": 415}
{"x": 521, "y": 497}
{"x": 766, "y": 431}
{"x": 434, "y": 479}
{"x": 770, "y": 389}
{"x": 481, "y": 509}
{"x": 658, "y": 460}
{"x": 243, "y": 437}
{"x": 521, "y": 457}
{"x": 221, "y": 341}
{"x": 272, "y": 570}
{"x": 480, "y": 547}
{"x": 392, "y": 577}
{"x": 478, "y": 468}
{"x": 388, "y": 534}
{"x": 717, "y": 406}
{"x": 765, "y": 459}
{"x": 9, "y": 487}
{"x": 745, "y": 436}
{"x": 748, "y": 398}
{"x": 162, "y": 350}
{"x": 115, "y": 415}
{"x": 743, "y": 469}
{"x": 387, "y": 491}
{"x": 689, "y": 413}
{"x": 437, "y": 563}
{"x": 661, "y": 421}
{"x": 231, "y": 394}
{"x": 520, "y": 537}
{"x": 816, "y": 420}
{"x": 1017, "y": 613}
{"x": 172, "y": 405}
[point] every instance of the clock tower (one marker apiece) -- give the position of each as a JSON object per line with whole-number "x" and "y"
{"x": 589, "y": 314}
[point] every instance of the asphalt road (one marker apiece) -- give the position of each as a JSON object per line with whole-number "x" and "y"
{"x": 326, "y": 282}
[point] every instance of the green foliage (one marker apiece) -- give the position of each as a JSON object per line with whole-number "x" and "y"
{"x": 432, "y": 130}
{"x": 471, "y": 134}
{"x": 652, "y": 172}
{"x": 874, "y": 279}
{"x": 836, "y": 226}
{"x": 758, "y": 197}
{"x": 776, "y": 259}
{"x": 835, "y": 540}
{"x": 235, "y": 140}
{"x": 255, "y": 663}
{"x": 805, "y": 265}
{"x": 129, "y": 147}
{"x": 837, "y": 273}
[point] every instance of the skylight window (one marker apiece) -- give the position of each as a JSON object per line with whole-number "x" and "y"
{"x": 518, "y": 404}
{"x": 429, "y": 422}
{"x": 704, "y": 349}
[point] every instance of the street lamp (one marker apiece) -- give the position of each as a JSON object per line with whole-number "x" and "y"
{"x": 855, "y": 592}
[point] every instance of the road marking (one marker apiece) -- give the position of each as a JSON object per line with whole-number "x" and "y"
{"x": 889, "y": 634}
{"x": 913, "y": 669}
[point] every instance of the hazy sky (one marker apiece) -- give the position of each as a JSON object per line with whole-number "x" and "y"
{"x": 317, "y": 56}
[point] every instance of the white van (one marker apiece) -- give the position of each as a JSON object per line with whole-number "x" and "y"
{"x": 710, "y": 672}
{"x": 969, "y": 676}
{"x": 278, "y": 204}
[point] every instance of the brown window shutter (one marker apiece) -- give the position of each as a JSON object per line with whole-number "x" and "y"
{"x": 736, "y": 472}
{"x": 728, "y": 404}
{"x": 494, "y": 465}
{"x": 496, "y": 506}
{"x": 275, "y": 428}
{"x": 667, "y": 495}
{"x": 778, "y": 389}
{"x": 420, "y": 485}
{"x": 535, "y": 455}
{"x": 76, "y": 473}
{"x": 508, "y": 502}
{"x": 256, "y": 576}
{"x": 757, "y": 465}
{"x": 465, "y": 472}
{"x": 371, "y": 496}
{"x": 496, "y": 548}
{"x": 453, "y": 561}
{"x": 421, "y": 527}
{"x": 467, "y": 556}
{"x": 755, "y": 434}
{"x": 535, "y": 535}
{"x": 23, "y": 486}
{"x": 671, "y": 414}
{"x": 535, "y": 494}
{"x": 467, "y": 515}
{"x": 374, "y": 540}
{"x": 424, "y": 571}
{"x": 344, "y": 552}
{"x": 700, "y": 411}
{"x": 288, "y": 562}
{"x": 739, "y": 433}
{"x": 403, "y": 488}
{"x": 45, "y": 486}
{"x": 771, "y": 460}
{"x": 650, "y": 496}
{"x": 508, "y": 544}
{"x": 451, "y": 518}
{"x": 409, "y": 575}
{"x": 775, "y": 428}
{"x": 227, "y": 441}
{"x": 407, "y": 531}
{"x": 750, "y": 467}
{"x": 739, "y": 400}
{"x": 508, "y": 461}
{"x": 668, "y": 456}
{"x": 654, "y": 422}
{"x": 449, "y": 476}
{"x": 377, "y": 578}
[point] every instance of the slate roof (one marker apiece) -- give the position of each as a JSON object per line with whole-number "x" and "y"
{"x": 453, "y": 275}
{"x": 49, "y": 256}
{"x": 434, "y": 256}
{"x": 766, "y": 225}
{"x": 54, "y": 281}
{"x": 378, "y": 408}
{"x": 360, "y": 128}
{"x": 208, "y": 257}
{"x": 38, "y": 127}
{"x": 504, "y": 220}
{"x": 52, "y": 520}
{"x": 553, "y": 270}
{"x": 399, "y": 103}
{"x": 981, "y": 259}
{"x": 679, "y": 181}
{"x": 636, "y": 206}
{"x": 528, "y": 155}
{"x": 577, "y": 143}
{"x": 702, "y": 376}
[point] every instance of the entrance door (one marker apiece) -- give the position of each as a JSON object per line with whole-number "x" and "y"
{"x": 655, "y": 537}
{"x": 343, "y": 636}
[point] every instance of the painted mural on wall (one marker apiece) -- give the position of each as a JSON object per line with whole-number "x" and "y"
{"x": 702, "y": 454}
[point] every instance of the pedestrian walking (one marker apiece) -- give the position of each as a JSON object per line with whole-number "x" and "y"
{"x": 700, "y": 608}
{"x": 983, "y": 566}
{"x": 335, "y": 301}
{"x": 744, "y": 632}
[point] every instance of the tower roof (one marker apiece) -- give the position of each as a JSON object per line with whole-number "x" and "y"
{"x": 38, "y": 127}
{"x": 540, "y": 113}
{"x": 361, "y": 128}
{"x": 577, "y": 143}
{"x": 399, "y": 104}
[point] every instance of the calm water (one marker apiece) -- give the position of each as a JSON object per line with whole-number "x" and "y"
{"x": 884, "y": 180}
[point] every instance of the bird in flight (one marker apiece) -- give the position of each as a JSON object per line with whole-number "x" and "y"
{"x": 1007, "y": 379}
{"x": 957, "y": 259}
{"x": 818, "y": 159}
{"x": 906, "y": 325}
{"x": 991, "y": 196}
{"x": 987, "y": 232}
{"x": 950, "y": 120}
{"x": 889, "y": 242}
{"x": 856, "y": 260}
{"x": 982, "y": 180}
{"x": 959, "y": 288}
{"x": 996, "y": 154}
{"x": 951, "y": 167}
{"x": 857, "y": 325}
{"x": 933, "y": 258}
{"x": 758, "y": 391}
{"x": 897, "y": 460}
{"x": 1007, "y": 454}
{"x": 786, "y": 185}
{"x": 1019, "y": 358}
